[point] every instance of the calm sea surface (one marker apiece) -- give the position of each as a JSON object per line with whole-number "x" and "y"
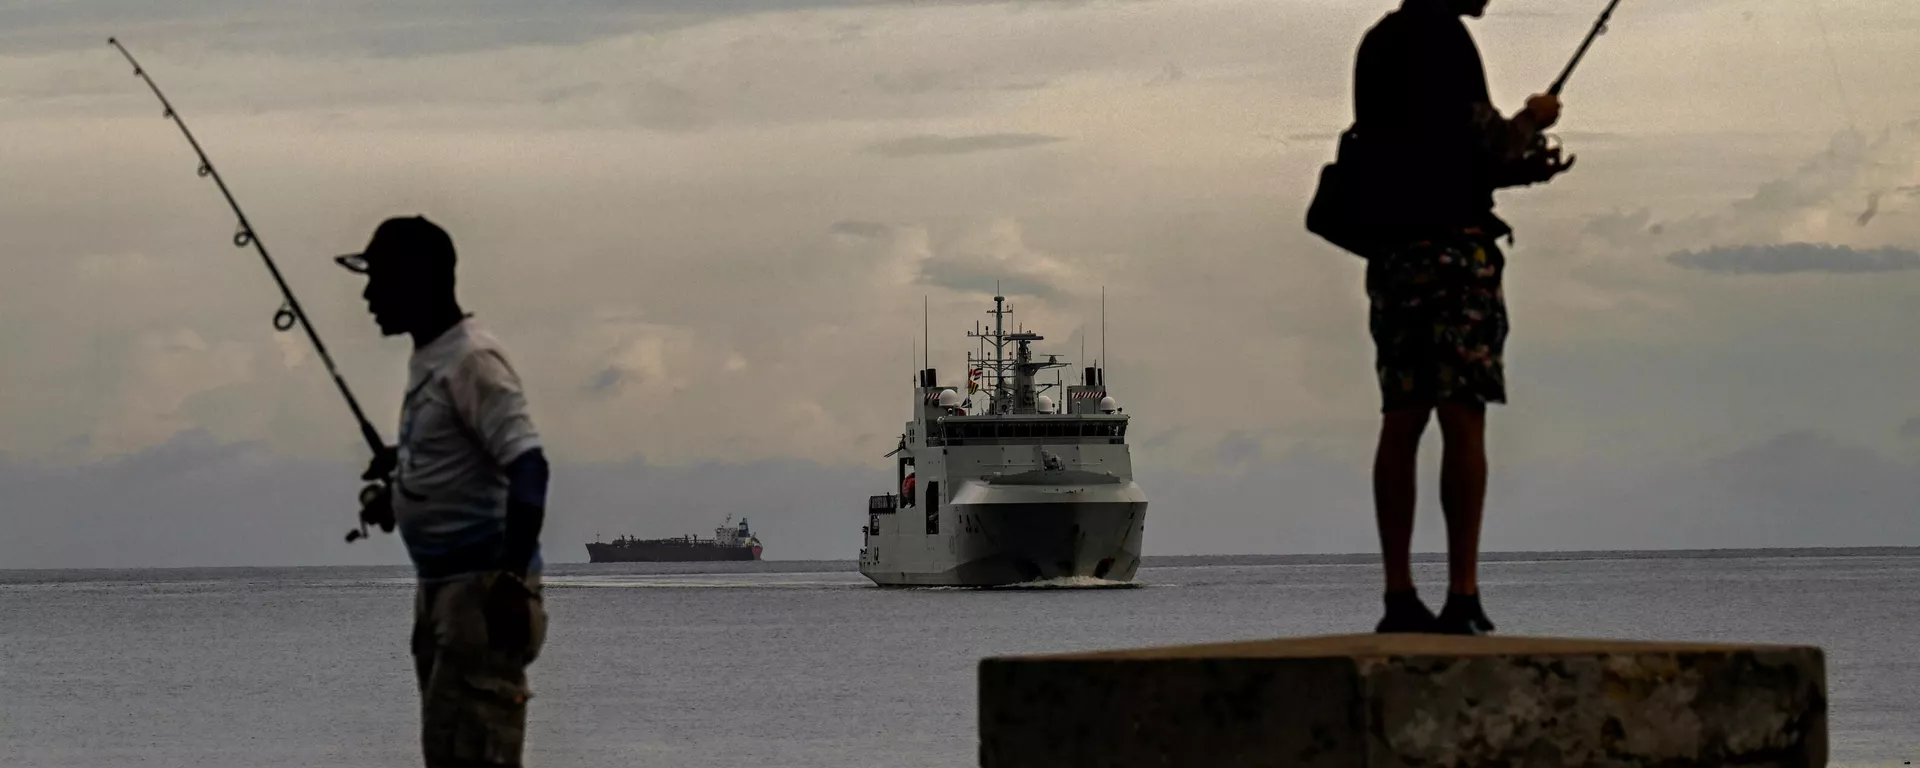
{"x": 805, "y": 664}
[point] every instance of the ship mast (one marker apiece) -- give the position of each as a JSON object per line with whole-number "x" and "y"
{"x": 999, "y": 390}
{"x": 1018, "y": 396}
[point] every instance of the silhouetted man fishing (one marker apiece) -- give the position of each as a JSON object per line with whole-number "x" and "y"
{"x": 1436, "y": 149}
{"x": 469, "y": 483}
{"x": 470, "y": 476}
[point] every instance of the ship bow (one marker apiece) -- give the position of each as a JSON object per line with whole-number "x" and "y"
{"x": 1037, "y": 532}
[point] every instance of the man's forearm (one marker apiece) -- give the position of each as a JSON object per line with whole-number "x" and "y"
{"x": 526, "y": 510}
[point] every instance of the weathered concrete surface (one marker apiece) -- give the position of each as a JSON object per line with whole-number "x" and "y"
{"x": 1401, "y": 701}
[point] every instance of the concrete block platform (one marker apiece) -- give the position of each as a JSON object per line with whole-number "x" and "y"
{"x": 1373, "y": 701}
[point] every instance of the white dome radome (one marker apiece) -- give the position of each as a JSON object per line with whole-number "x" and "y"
{"x": 949, "y": 398}
{"x": 1108, "y": 404}
{"x": 1045, "y": 403}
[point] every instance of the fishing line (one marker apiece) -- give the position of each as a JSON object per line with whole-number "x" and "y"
{"x": 1833, "y": 62}
{"x": 1846, "y": 106}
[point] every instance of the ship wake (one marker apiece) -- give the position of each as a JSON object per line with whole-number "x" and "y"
{"x": 683, "y": 582}
{"x": 1072, "y": 582}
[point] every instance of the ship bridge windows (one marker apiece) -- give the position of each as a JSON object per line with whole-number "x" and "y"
{"x": 1049, "y": 430}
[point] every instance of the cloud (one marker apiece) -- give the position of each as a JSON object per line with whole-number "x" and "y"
{"x": 998, "y": 258}
{"x": 1620, "y": 226}
{"x": 931, "y": 144}
{"x": 1910, "y": 429}
{"x": 1818, "y": 201}
{"x": 920, "y": 82}
{"x": 970, "y": 258}
{"x": 163, "y": 375}
{"x": 1794, "y": 258}
{"x": 1798, "y": 488}
{"x": 1848, "y": 159}
{"x": 607, "y": 381}
{"x": 206, "y": 502}
{"x": 203, "y": 502}
{"x": 549, "y": 162}
{"x": 1238, "y": 449}
{"x": 434, "y": 27}
{"x": 1163, "y": 438}
{"x": 641, "y": 358}
{"x": 190, "y": 501}
{"x": 1793, "y": 489}
{"x": 965, "y": 276}
{"x": 866, "y": 229}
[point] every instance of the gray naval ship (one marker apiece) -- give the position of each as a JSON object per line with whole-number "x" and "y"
{"x": 1007, "y": 485}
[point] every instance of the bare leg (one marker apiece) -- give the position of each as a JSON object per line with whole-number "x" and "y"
{"x": 1395, "y": 489}
{"x": 1463, "y": 491}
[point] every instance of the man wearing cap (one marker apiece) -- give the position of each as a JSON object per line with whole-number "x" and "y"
{"x": 468, "y": 493}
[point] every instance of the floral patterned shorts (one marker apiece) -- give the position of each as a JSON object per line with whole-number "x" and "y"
{"x": 1439, "y": 323}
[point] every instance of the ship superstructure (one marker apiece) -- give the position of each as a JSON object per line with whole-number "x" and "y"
{"x": 1018, "y": 480}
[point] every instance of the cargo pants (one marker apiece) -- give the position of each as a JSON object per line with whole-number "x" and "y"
{"x": 473, "y": 695}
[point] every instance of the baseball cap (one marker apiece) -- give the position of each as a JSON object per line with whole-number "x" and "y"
{"x": 422, "y": 242}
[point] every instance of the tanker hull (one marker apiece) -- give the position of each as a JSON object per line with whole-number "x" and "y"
{"x": 667, "y": 552}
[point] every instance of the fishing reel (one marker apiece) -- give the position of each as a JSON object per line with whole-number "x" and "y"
{"x": 376, "y": 497}
{"x": 1538, "y": 163}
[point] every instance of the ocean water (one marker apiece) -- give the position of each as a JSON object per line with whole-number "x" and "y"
{"x": 805, "y": 664}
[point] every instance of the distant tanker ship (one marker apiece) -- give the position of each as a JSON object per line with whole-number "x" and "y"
{"x": 729, "y": 542}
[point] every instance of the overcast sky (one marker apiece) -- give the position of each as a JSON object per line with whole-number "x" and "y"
{"x": 705, "y": 236}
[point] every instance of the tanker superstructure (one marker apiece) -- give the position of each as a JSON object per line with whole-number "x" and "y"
{"x": 1005, "y": 485}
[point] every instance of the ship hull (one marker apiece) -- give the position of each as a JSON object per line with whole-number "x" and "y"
{"x": 1007, "y": 536}
{"x": 667, "y": 553}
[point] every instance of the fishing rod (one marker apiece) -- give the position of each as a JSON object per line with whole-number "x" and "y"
{"x": 290, "y": 313}
{"x": 1542, "y": 156}
{"x": 1599, "y": 28}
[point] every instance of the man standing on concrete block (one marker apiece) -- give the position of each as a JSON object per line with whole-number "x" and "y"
{"x": 1435, "y": 148}
{"x": 469, "y": 482}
